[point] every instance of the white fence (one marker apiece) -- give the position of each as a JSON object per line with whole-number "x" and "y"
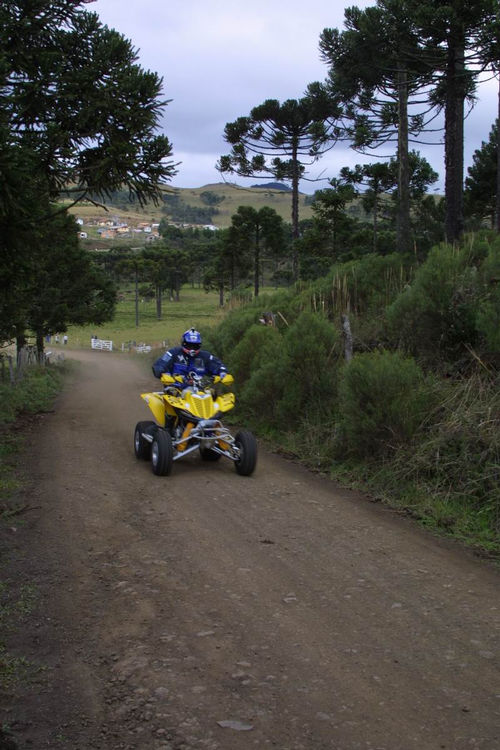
{"x": 133, "y": 346}
{"x": 130, "y": 346}
{"x": 101, "y": 344}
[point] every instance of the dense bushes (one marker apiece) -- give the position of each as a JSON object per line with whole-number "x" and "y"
{"x": 488, "y": 315}
{"x": 383, "y": 399}
{"x": 453, "y": 304}
{"x": 285, "y": 374}
{"x": 32, "y": 394}
{"x": 431, "y": 442}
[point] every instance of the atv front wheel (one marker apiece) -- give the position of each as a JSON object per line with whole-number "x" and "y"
{"x": 142, "y": 447}
{"x": 162, "y": 453}
{"x": 247, "y": 445}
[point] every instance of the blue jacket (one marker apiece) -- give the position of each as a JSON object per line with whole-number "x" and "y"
{"x": 176, "y": 362}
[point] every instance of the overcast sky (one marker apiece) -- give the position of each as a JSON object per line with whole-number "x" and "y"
{"x": 220, "y": 58}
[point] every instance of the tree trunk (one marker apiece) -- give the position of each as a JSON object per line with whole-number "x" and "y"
{"x": 346, "y": 331}
{"x": 177, "y": 287}
{"x": 20, "y": 343}
{"x": 498, "y": 165}
{"x": 256, "y": 261}
{"x": 295, "y": 210}
{"x": 39, "y": 346}
{"x": 232, "y": 282}
{"x": 454, "y": 139}
{"x": 136, "y": 298}
{"x": 158, "y": 301}
{"x": 403, "y": 209}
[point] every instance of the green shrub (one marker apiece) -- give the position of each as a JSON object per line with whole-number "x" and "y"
{"x": 224, "y": 338}
{"x": 382, "y": 402}
{"x": 262, "y": 392}
{"x": 258, "y": 344}
{"x": 311, "y": 349}
{"x": 488, "y": 322}
{"x": 435, "y": 317}
{"x": 286, "y": 376}
{"x": 34, "y": 393}
{"x": 488, "y": 316}
{"x": 365, "y": 285}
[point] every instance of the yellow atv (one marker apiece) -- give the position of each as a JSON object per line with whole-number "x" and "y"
{"x": 187, "y": 418}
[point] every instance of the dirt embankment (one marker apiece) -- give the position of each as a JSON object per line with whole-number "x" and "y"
{"x": 208, "y": 610}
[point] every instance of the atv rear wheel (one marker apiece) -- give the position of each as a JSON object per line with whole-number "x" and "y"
{"x": 162, "y": 453}
{"x": 142, "y": 447}
{"x": 247, "y": 445}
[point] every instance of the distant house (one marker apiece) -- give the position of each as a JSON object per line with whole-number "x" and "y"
{"x": 107, "y": 234}
{"x": 83, "y": 235}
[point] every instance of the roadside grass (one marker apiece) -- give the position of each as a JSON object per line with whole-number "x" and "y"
{"x": 33, "y": 394}
{"x": 456, "y": 497}
{"x": 195, "y": 308}
{"x": 449, "y": 514}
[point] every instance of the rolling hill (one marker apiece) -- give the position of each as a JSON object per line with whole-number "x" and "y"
{"x": 224, "y": 198}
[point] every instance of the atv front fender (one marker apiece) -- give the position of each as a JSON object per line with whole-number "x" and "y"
{"x": 157, "y": 406}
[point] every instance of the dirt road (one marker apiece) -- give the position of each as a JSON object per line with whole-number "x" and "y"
{"x": 208, "y": 610}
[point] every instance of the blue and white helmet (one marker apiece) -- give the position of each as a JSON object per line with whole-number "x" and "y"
{"x": 191, "y": 342}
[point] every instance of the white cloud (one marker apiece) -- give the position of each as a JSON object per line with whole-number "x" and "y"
{"x": 220, "y": 58}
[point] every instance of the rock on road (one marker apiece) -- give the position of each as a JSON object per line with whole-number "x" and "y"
{"x": 208, "y": 610}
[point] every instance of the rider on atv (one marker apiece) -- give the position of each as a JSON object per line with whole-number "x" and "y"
{"x": 188, "y": 357}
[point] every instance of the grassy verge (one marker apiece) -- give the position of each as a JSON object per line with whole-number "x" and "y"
{"x": 451, "y": 493}
{"x": 32, "y": 395}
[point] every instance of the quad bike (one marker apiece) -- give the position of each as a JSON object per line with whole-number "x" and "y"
{"x": 187, "y": 418}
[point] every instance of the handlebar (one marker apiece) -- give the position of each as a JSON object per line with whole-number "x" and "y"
{"x": 194, "y": 379}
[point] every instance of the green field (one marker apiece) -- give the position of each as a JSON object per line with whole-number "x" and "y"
{"x": 195, "y": 308}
